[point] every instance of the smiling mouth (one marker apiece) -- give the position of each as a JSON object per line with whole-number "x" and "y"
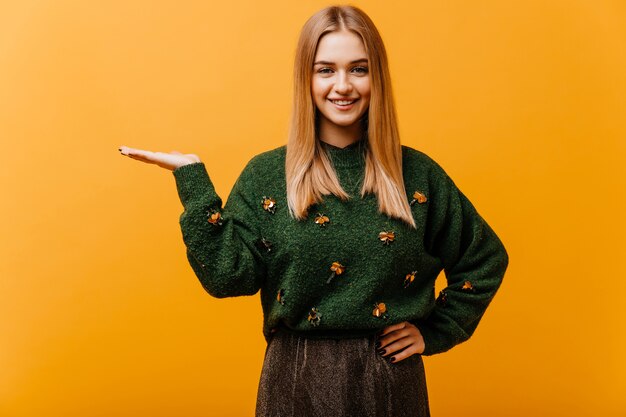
{"x": 343, "y": 102}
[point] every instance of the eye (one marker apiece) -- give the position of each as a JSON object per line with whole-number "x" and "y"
{"x": 362, "y": 70}
{"x": 324, "y": 70}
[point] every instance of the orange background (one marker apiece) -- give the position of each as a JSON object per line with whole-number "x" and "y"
{"x": 523, "y": 103}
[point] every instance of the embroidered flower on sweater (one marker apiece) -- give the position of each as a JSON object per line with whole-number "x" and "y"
{"x": 380, "y": 310}
{"x": 387, "y": 237}
{"x": 418, "y": 198}
{"x": 321, "y": 219}
{"x": 215, "y": 218}
{"x": 337, "y": 269}
{"x": 314, "y": 316}
{"x": 268, "y": 204}
{"x": 409, "y": 278}
{"x": 280, "y": 297}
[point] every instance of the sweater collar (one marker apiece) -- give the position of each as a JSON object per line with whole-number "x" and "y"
{"x": 352, "y": 155}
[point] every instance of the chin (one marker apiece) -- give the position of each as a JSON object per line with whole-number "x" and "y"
{"x": 344, "y": 123}
{"x": 347, "y": 123}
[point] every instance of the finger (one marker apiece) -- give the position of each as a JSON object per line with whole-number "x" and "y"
{"x": 389, "y": 338}
{"x": 142, "y": 152}
{"x": 391, "y": 328}
{"x": 411, "y": 350}
{"x": 128, "y": 151}
{"x": 392, "y": 337}
{"x": 139, "y": 158}
{"x": 396, "y": 345}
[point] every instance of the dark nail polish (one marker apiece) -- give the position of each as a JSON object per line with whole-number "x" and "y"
{"x": 393, "y": 359}
{"x": 382, "y": 351}
{"x": 377, "y": 345}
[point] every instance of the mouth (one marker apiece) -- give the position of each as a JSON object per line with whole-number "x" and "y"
{"x": 344, "y": 104}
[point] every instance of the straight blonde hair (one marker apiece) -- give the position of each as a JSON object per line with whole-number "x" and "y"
{"x": 308, "y": 170}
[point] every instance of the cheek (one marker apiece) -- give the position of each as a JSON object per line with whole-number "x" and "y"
{"x": 365, "y": 94}
{"x": 317, "y": 89}
{"x": 365, "y": 89}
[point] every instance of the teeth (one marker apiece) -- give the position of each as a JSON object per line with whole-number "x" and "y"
{"x": 342, "y": 102}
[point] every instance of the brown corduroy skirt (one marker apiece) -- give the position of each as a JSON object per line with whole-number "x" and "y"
{"x": 338, "y": 378}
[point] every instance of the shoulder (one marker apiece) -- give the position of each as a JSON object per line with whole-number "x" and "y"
{"x": 265, "y": 167}
{"x": 272, "y": 158}
{"x": 417, "y": 162}
{"x": 421, "y": 172}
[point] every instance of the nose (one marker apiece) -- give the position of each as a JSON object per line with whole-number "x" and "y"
{"x": 343, "y": 85}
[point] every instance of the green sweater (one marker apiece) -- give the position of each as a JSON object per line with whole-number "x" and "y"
{"x": 347, "y": 271}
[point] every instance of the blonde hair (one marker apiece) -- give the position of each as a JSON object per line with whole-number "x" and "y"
{"x": 308, "y": 169}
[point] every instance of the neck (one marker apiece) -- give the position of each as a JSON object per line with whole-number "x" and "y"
{"x": 340, "y": 136}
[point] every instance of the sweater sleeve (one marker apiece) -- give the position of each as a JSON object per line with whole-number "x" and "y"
{"x": 221, "y": 242}
{"x": 474, "y": 261}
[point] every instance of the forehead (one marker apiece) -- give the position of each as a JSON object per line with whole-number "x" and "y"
{"x": 340, "y": 46}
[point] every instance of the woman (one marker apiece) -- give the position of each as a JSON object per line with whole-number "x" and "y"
{"x": 344, "y": 231}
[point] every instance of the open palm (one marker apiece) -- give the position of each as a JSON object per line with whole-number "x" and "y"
{"x": 171, "y": 160}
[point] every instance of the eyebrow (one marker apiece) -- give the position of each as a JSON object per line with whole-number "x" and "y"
{"x": 330, "y": 63}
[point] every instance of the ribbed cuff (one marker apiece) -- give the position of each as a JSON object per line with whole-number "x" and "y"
{"x": 193, "y": 182}
{"x": 432, "y": 345}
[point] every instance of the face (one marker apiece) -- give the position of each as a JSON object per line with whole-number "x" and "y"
{"x": 341, "y": 81}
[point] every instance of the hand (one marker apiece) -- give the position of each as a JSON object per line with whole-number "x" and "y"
{"x": 395, "y": 337}
{"x": 169, "y": 161}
